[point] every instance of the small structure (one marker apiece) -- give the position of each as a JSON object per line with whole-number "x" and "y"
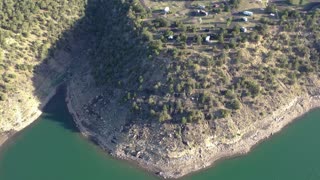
{"x": 202, "y": 12}
{"x": 170, "y": 37}
{"x": 243, "y": 29}
{"x": 166, "y": 10}
{"x": 248, "y": 13}
{"x": 244, "y": 19}
{"x": 208, "y": 39}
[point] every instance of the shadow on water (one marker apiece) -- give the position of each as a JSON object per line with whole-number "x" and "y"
{"x": 105, "y": 34}
{"x": 57, "y": 110}
{"x": 56, "y": 69}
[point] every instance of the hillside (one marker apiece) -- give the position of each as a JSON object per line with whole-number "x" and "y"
{"x": 171, "y": 85}
{"x": 188, "y": 79}
{"x": 176, "y": 90}
{"x": 34, "y": 47}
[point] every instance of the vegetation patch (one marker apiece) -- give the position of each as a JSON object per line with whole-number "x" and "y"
{"x": 190, "y": 61}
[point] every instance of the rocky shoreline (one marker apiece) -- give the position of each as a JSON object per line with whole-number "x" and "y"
{"x": 200, "y": 157}
{"x": 213, "y": 152}
{"x": 3, "y": 138}
{"x": 26, "y": 105}
{"x": 155, "y": 147}
{"x": 35, "y": 113}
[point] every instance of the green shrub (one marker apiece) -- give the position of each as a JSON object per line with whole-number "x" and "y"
{"x": 195, "y": 116}
{"x": 164, "y": 115}
{"x": 234, "y": 104}
{"x": 3, "y": 96}
{"x": 161, "y": 22}
{"x": 184, "y": 120}
{"x": 223, "y": 113}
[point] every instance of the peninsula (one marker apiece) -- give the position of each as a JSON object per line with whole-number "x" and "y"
{"x": 170, "y": 85}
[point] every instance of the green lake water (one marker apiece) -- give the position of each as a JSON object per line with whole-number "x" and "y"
{"x": 52, "y": 149}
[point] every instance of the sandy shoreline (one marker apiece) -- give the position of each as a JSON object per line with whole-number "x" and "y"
{"x": 274, "y": 123}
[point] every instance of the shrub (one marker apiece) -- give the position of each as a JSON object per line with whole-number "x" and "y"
{"x": 3, "y": 96}
{"x": 156, "y": 46}
{"x": 164, "y": 115}
{"x": 271, "y": 8}
{"x": 195, "y": 116}
{"x": 161, "y": 22}
{"x": 234, "y": 104}
{"x": 198, "y": 39}
{"x": 223, "y": 113}
{"x": 184, "y": 120}
{"x": 147, "y": 35}
{"x": 252, "y": 86}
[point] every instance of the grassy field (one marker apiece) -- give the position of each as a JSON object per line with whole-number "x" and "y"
{"x": 30, "y": 31}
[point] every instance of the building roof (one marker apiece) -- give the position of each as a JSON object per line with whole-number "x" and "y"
{"x": 208, "y": 39}
{"x": 248, "y": 13}
{"x": 244, "y": 19}
{"x": 203, "y": 12}
{"x": 243, "y": 29}
{"x": 166, "y": 9}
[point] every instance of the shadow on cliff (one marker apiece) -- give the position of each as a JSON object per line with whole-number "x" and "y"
{"x": 56, "y": 69}
{"x": 104, "y": 34}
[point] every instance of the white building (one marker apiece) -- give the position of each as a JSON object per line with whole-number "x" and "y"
{"x": 208, "y": 39}
{"x": 244, "y": 19}
{"x": 243, "y": 29}
{"x": 166, "y": 10}
{"x": 248, "y": 13}
{"x": 202, "y": 12}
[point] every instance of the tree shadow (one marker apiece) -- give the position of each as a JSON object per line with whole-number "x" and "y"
{"x": 311, "y": 6}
